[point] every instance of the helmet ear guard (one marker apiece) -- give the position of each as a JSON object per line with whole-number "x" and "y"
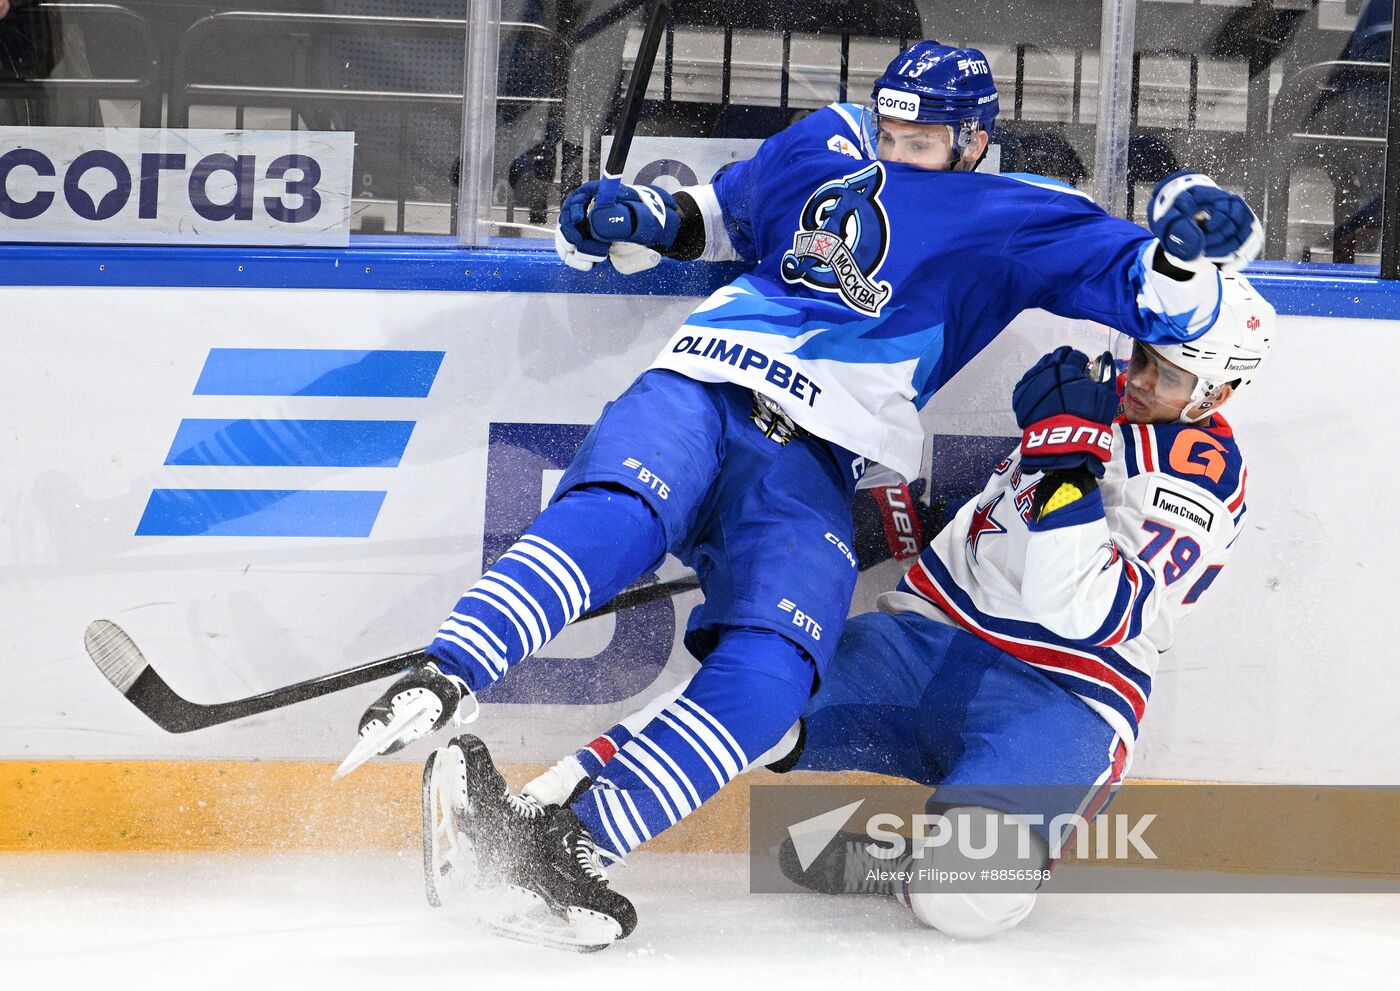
{"x": 1205, "y": 399}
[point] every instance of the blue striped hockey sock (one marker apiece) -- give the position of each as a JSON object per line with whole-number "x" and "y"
{"x": 741, "y": 702}
{"x": 579, "y": 553}
{"x": 595, "y": 755}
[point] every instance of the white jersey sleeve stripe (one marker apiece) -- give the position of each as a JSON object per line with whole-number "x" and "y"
{"x": 718, "y": 246}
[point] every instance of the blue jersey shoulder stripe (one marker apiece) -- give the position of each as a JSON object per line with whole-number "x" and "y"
{"x": 1045, "y": 182}
{"x": 1130, "y": 458}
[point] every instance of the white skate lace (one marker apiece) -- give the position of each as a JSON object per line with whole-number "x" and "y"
{"x": 526, "y": 808}
{"x": 587, "y": 857}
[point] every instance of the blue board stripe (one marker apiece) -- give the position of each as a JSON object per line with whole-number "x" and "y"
{"x": 436, "y": 263}
{"x": 260, "y": 513}
{"x": 291, "y": 443}
{"x": 317, "y": 372}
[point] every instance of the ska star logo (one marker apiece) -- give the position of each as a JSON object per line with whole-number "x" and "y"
{"x": 983, "y": 523}
{"x": 1253, "y": 322}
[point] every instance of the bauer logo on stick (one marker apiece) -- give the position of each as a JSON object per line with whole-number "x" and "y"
{"x": 843, "y": 240}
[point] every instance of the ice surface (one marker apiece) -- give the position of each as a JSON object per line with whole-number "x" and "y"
{"x": 261, "y": 921}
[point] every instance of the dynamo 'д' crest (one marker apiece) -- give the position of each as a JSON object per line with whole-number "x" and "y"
{"x": 842, "y": 241}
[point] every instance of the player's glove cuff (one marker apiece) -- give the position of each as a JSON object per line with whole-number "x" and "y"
{"x": 1062, "y": 442}
{"x": 1065, "y": 498}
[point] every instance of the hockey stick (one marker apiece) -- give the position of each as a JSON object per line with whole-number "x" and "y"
{"x": 631, "y": 108}
{"x": 122, "y": 663}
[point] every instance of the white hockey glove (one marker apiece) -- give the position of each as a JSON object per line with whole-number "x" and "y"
{"x": 628, "y": 259}
{"x": 1202, "y": 227}
{"x": 574, "y": 256}
{"x": 421, "y": 701}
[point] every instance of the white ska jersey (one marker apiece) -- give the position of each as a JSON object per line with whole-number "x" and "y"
{"x": 1091, "y": 594}
{"x": 875, "y": 282}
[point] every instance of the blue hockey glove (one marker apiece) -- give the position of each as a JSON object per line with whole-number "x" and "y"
{"x": 644, "y": 215}
{"x": 1064, "y": 415}
{"x": 573, "y": 240}
{"x": 632, "y": 233}
{"x": 1202, "y": 226}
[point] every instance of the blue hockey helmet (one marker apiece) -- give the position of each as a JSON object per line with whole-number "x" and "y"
{"x": 932, "y": 83}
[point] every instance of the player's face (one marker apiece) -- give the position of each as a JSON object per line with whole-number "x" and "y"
{"x": 925, "y": 146}
{"x": 1157, "y": 390}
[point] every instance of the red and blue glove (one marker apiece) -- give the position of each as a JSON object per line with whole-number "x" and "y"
{"x": 1064, "y": 415}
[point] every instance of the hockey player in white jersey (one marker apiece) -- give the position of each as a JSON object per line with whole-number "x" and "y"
{"x": 882, "y": 265}
{"x": 1012, "y": 665}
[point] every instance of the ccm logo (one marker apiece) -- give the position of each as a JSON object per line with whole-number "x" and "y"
{"x": 840, "y": 545}
{"x": 896, "y": 104}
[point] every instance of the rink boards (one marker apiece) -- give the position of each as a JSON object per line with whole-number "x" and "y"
{"x": 208, "y": 468}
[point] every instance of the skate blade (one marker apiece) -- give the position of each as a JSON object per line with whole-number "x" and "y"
{"x": 523, "y": 916}
{"x": 408, "y": 718}
{"x": 449, "y": 862}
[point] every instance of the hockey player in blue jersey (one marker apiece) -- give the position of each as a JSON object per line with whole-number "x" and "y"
{"x": 882, "y": 264}
{"x": 1011, "y": 666}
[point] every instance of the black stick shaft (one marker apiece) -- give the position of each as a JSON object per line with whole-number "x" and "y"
{"x": 632, "y": 100}
{"x": 175, "y": 714}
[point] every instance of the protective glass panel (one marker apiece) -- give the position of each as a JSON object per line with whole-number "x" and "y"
{"x": 729, "y": 74}
{"x": 1283, "y": 101}
{"x": 285, "y": 121}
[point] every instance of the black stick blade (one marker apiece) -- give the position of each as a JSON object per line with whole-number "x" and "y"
{"x": 122, "y": 663}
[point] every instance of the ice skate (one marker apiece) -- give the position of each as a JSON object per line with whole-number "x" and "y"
{"x": 844, "y": 867}
{"x": 470, "y": 820}
{"x": 558, "y": 894}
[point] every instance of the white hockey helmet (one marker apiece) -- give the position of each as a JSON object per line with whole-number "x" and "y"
{"x": 1232, "y": 350}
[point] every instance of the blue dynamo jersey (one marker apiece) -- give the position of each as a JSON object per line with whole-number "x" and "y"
{"x": 876, "y": 282}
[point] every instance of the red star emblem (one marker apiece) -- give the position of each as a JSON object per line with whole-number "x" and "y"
{"x": 823, "y": 243}
{"x": 1253, "y": 322}
{"x": 983, "y": 523}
